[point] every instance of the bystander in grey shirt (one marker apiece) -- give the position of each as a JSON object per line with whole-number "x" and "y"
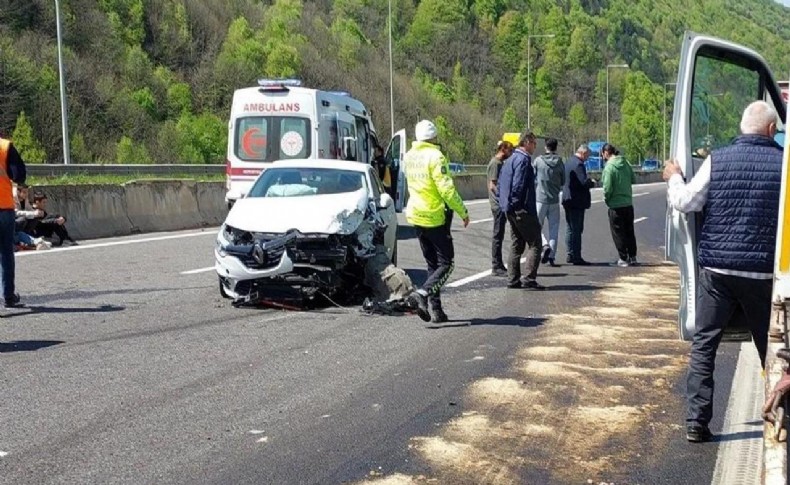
{"x": 550, "y": 178}
{"x": 494, "y": 167}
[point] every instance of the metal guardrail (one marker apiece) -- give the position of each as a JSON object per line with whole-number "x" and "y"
{"x": 56, "y": 170}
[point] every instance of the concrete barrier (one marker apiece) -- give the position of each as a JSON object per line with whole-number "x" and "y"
{"x": 158, "y": 206}
{"x": 471, "y": 186}
{"x": 96, "y": 211}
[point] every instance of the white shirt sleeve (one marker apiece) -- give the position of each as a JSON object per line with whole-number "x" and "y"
{"x": 692, "y": 196}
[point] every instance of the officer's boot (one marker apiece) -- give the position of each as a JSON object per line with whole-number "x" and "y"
{"x": 437, "y": 313}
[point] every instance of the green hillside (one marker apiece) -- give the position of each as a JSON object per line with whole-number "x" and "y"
{"x": 151, "y": 80}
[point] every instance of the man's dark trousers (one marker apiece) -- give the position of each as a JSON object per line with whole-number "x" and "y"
{"x": 573, "y": 233}
{"x": 621, "y": 222}
{"x": 524, "y": 233}
{"x": 7, "y": 230}
{"x": 438, "y": 251}
{"x": 497, "y": 238}
{"x": 719, "y": 298}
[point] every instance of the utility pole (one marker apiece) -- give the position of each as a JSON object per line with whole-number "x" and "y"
{"x": 63, "y": 110}
{"x": 392, "y": 94}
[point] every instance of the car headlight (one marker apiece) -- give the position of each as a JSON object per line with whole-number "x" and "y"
{"x": 222, "y": 242}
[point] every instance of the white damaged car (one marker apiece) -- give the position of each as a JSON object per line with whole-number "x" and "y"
{"x": 306, "y": 228}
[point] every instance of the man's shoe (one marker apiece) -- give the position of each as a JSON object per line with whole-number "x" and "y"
{"x": 633, "y": 262}
{"x": 581, "y": 262}
{"x": 14, "y": 302}
{"x": 514, "y": 286}
{"x": 553, "y": 264}
{"x": 419, "y": 303}
{"x": 546, "y": 254}
{"x": 439, "y": 316}
{"x": 698, "y": 434}
{"x": 499, "y": 272}
{"x": 622, "y": 263}
{"x": 532, "y": 285}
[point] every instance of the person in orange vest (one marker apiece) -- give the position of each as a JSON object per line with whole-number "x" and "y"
{"x": 12, "y": 170}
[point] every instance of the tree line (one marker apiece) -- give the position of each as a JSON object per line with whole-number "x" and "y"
{"x": 150, "y": 81}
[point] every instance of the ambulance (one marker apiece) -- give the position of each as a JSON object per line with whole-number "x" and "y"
{"x": 279, "y": 119}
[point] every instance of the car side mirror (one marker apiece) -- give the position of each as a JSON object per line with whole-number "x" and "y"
{"x": 385, "y": 201}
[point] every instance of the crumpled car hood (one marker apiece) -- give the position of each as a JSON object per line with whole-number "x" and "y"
{"x": 323, "y": 214}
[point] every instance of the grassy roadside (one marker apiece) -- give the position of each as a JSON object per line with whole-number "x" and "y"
{"x": 85, "y": 179}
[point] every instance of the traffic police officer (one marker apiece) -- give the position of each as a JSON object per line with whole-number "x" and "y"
{"x": 432, "y": 201}
{"x": 12, "y": 170}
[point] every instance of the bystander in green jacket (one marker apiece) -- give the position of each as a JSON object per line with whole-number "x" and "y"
{"x": 617, "y": 178}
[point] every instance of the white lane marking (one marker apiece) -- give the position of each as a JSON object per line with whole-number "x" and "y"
{"x": 740, "y": 450}
{"x": 474, "y": 277}
{"x": 117, "y": 243}
{"x": 256, "y": 431}
{"x": 640, "y": 219}
{"x": 3, "y": 454}
{"x": 641, "y": 194}
{"x": 199, "y": 270}
{"x": 265, "y": 439}
{"x": 482, "y": 220}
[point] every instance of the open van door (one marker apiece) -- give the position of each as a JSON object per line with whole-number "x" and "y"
{"x": 395, "y": 153}
{"x": 716, "y": 81}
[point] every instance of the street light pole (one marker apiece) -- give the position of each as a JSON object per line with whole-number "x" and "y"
{"x": 664, "y": 136}
{"x": 63, "y": 111}
{"x": 624, "y": 66}
{"x": 529, "y": 68}
{"x": 392, "y": 94}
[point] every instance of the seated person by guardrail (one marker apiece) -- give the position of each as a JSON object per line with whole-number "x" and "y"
{"x": 23, "y": 213}
{"x": 48, "y": 225}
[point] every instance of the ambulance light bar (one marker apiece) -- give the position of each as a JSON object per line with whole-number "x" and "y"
{"x": 279, "y": 84}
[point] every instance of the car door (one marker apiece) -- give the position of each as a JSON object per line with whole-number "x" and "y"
{"x": 716, "y": 81}
{"x": 395, "y": 153}
{"x": 387, "y": 211}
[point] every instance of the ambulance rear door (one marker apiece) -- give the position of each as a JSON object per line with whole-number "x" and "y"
{"x": 395, "y": 153}
{"x": 267, "y": 124}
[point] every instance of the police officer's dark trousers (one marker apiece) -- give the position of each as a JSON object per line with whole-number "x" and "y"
{"x": 720, "y": 298}
{"x": 439, "y": 253}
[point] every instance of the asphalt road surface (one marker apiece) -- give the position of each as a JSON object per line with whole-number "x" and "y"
{"x": 128, "y": 367}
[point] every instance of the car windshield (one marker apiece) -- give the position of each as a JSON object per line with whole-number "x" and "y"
{"x": 300, "y": 182}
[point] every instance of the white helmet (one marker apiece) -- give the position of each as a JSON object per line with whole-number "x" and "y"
{"x": 425, "y": 130}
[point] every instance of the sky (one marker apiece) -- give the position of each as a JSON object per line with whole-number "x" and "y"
{"x": 784, "y": 2}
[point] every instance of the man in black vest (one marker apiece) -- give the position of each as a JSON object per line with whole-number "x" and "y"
{"x": 736, "y": 247}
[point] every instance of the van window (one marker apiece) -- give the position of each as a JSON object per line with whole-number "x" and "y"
{"x": 348, "y": 140}
{"x": 254, "y": 133}
{"x": 364, "y": 149}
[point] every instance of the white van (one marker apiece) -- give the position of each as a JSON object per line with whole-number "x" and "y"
{"x": 281, "y": 120}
